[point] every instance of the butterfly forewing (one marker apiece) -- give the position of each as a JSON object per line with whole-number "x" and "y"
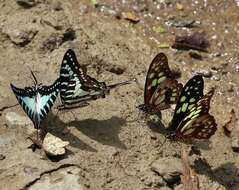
{"x": 77, "y": 86}
{"x": 190, "y": 95}
{"x": 158, "y": 72}
{"x": 161, "y": 89}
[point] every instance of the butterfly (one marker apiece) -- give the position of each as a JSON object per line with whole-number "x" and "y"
{"x": 37, "y": 101}
{"x": 77, "y": 88}
{"x": 191, "y": 118}
{"x": 160, "y": 89}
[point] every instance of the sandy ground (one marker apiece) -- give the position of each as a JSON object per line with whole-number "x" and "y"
{"x": 106, "y": 150}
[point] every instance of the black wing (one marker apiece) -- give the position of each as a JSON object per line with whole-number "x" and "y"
{"x": 190, "y": 95}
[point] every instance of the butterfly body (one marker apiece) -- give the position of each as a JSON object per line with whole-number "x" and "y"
{"x": 160, "y": 89}
{"x": 191, "y": 119}
{"x": 77, "y": 88}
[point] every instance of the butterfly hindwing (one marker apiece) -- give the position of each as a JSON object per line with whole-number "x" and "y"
{"x": 191, "y": 118}
{"x": 167, "y": 93}
{"x": 191, "y": 93}
{"x": 48, "y": 95}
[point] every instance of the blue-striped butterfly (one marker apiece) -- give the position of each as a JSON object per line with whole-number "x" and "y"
{"x": 160, "y": 89}
{"x": 37, "y": 101}
{"x": 77, "y": 88}
{"x": 191, "y": 118}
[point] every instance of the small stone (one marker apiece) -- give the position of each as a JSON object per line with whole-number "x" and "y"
{"x": 2, "y": 157}
{"x": 21, "y": 28}
{"x": 20, "y": 37}
{"x": 54, "y": 146}
{"x": 205, "y": 73}
{"x": 116, "y": 69}
{"x": 15, "y": 119}
{"x": 195, "y": 55}
{"x": 216, "y": 77}
{"x": 237, "y": 68}
{"x": 235, "y": 144}
{"x": 26, "y": 3}
{"x": 168, "y": 168}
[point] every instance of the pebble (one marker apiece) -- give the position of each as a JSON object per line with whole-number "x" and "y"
{"x": 205, "y": 73}
{"x": 15, "y": 119}
{"x": 26, "y": 3}
{"x": 216, "y": 77}
{"x": 169, "y": 168}
{"x": 54, "y": 146}
{"x": 2, "y": 157}
{"x": 235, "y": 144}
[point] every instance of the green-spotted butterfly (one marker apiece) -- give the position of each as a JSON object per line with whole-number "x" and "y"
{"x": 160, "y": 89}
{"x": 191, "y": 118}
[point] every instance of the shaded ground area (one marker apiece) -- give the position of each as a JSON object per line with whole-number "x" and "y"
{"x": 106, "y": 150}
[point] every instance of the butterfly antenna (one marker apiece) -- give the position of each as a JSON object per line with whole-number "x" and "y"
{"x": 34, "y": 78}
{"x": 121, "y": 84}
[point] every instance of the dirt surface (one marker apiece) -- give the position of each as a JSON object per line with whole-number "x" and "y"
{"x": 106, "y": 150}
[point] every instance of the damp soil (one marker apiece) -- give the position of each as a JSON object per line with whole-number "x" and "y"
{"x": 110, "y": 146}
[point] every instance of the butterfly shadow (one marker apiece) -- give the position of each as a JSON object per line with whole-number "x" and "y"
{"x": 103, "y": 131}
{"x": 226, "y": 174}
{"x": 56, "y": 127}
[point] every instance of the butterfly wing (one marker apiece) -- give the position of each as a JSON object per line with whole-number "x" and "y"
{"x": 26, "y": 98}
{"x": 47, "y": 98}
{"x": 37, "y": 102}
{"x": 160, "y": 89}
{"x": 76, "y": 85}
{"x": 167, "y": 93}
{"x": 190, "y": 95}
{"x": 198, "y": 123}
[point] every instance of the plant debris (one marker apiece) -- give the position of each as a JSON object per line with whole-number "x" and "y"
{"x": 159, "y": 29}
{"x": 189, "y": 178}
{"x": 231, "y": 124}
{"x": 196, "y": 41}
{"x": 130, "y": 16}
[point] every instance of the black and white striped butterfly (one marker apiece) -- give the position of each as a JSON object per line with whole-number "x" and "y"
{"x": 191, "y": 119}
{"x": 37, "y": 101}
{"x": 77, "y": 88}
{"x": 160, "y": 89}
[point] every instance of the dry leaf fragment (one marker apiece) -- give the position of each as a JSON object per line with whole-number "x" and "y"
{"x": 130, "y": 16}
{"x": 189, "y": 178}
{"x": 196, "y": 41}
{"x": 230, "y": 125}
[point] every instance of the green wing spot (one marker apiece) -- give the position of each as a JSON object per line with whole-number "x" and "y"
{"x": 160, "y": 74}
{"x": 183, "y": 98}
{"x": 154, "y": 82}
{"x": 188, "y": 93}
{"x": 190, "y": 106}
{"x": 184, "y": 107}
{"x": 178, "y": 111}
{"x": 151, "y": 75}
{"x": 192, "y": 100}
{"x": 173, "y": 99}
{"x": 161, "y": 79}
